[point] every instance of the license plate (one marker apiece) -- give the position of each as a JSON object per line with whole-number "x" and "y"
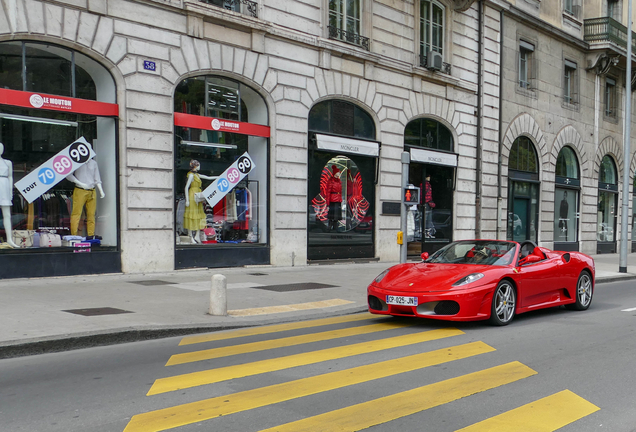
{"x": 401, "y": 301}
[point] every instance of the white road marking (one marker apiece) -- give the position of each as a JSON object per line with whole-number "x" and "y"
{"x": 629, "y": 310}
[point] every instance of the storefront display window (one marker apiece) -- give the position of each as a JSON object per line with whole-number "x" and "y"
{"x": 607, "y": 204}
{"x": 430, "y": 223}
{"x": 221, "y": 140}
{"x": 523, "y": 191}
{"x": 341, "y": 182}
{"x": 566, "y": 198}
{"x": 74, "y": 208}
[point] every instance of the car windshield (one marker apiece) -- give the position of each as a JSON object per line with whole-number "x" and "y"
{"x": 482, "y": 252}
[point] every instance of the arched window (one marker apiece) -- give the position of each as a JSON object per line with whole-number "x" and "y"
{"x": 342, "y": 161}
{"x": 523, "y": 192}
{"x": 607, "y": 171}
{"x": 567, "y": 165}
{"x": 523, "y": 156}
{"x": 566, "y": 200}
{"x": 221, "y": 141}
{"x": 428, "y": 133}
{"x": 341, "y": 118}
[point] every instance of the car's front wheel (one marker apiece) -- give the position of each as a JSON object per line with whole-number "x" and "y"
{"x": 584, "y": 292}
{"x": 504, "y": 302}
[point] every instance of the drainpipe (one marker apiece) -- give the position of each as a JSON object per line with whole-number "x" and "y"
{"x": 480, "y": 11}
{"x": 499, "y": 137}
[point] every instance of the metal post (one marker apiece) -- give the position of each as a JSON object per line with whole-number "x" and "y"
{"x": 622, "y": 266}
{"x": 406, "y": 159}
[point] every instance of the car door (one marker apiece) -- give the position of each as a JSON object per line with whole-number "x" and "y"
{"x": 538, "y": 282}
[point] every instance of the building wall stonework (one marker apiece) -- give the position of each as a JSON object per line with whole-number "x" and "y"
{"x": 293, "y": 68}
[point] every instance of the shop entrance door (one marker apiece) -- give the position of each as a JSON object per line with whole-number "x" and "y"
{"x": 429, "y": 227}
{"x": 523, "y": 211}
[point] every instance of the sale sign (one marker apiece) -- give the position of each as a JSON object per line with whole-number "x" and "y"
{"x": 228, "y": 180}
{"x": 53, "y": 171}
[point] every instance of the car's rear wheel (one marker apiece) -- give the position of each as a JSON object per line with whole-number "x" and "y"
{"x": 584, "y": 292}
{"x": 504, "y": 302}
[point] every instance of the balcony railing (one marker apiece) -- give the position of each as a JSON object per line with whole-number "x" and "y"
{"x": 235, "y": 5}
{"x": 349, "y": 37}
{"x": 446, "y": 67}
{"x": 606, "y": 29}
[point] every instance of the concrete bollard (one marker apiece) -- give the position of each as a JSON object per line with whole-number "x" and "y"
{"x": 218, "y": 295}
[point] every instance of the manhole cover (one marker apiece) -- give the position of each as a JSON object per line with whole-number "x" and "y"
{"x": 296, "y": 287}
{"x": 97, "y": 311}
{"x": 152, "y": 282}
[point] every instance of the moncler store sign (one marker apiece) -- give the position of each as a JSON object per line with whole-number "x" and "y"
{"x": 347, "y": 145}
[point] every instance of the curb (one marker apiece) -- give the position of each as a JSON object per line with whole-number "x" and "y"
{"x": 61, "y": 343}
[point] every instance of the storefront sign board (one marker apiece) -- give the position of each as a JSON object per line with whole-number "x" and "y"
{"x": 57, "y": 103}
{"x": 229, "y": 179}
{"x": 347, "y": 145}
{"x": 220, "y": 125}
{"x": 433, "y": 157}
{"x": 56, "y": 169}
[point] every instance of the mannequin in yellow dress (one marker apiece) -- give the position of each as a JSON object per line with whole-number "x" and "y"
{"x": 194, "y": 216}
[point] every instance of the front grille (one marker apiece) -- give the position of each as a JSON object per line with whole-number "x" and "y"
{"x": 375, "y": 303}
{"x": 447, "y": 307}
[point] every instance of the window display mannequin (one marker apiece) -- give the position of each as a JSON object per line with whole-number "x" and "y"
{"x": 334, "y": 198}
{"x": 194, "y": 218}
{"x": 429, "y": 205}
{"x": 6, "y": 195}
{"x": 86, "y": 179}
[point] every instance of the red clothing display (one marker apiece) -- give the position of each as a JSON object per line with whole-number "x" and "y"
{"x": 334, "y": 191}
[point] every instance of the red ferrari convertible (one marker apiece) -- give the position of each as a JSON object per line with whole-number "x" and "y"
{"x": 484, "y": 279}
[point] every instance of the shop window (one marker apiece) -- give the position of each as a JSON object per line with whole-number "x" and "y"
{"x": 566, "y": 197}
{"x": 428, "y": 133}
{"x": 341, "y": 181}
{"x": 607, "y": 201}
{"x": 72, "y": 205}
{"x": 211, "y": 143}
{"x": 523, "y": 191}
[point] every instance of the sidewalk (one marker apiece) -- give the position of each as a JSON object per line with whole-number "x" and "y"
{"x": 108, "y": 309}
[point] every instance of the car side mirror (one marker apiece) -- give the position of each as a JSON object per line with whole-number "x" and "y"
{"x": 530, "y": 259}
{"x": 424, "y": 256}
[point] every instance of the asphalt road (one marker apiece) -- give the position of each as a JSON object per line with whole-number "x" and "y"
{"x": 550, "y": 370}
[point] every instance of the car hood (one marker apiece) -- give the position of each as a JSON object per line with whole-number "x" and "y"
{"x": 427, "y": 277}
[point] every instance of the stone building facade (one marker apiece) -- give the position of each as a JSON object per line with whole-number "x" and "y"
{"x": 287, "y": 65}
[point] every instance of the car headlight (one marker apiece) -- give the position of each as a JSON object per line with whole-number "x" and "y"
{"x": 379, "y": 277}
{"x": 469, "y": 279}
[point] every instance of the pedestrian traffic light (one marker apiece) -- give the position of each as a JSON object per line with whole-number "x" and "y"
{"x": 411, "y": 195}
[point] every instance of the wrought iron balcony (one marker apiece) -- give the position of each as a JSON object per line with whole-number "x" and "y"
{"x": 606, "y": 29}
{"x": 251, "y": 7}
{"x": 349, "y": 37}
{"x": 446, "y": 67}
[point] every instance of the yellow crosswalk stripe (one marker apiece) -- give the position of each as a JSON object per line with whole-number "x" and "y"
{"x": 194, "y": 379}
{"x": 255, "y": 331}
{"x": 224, "y": 405}
{"x": 280, "y": 343}
{"x": 545, "y": 415}
{"x": 383, "y": 410}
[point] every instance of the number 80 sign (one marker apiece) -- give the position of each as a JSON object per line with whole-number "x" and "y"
{"x": 229, "y": 179}
{"x": 53, "y": 171}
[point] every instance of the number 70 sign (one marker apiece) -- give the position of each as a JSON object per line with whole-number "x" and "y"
{"x": 53, "y": 171}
